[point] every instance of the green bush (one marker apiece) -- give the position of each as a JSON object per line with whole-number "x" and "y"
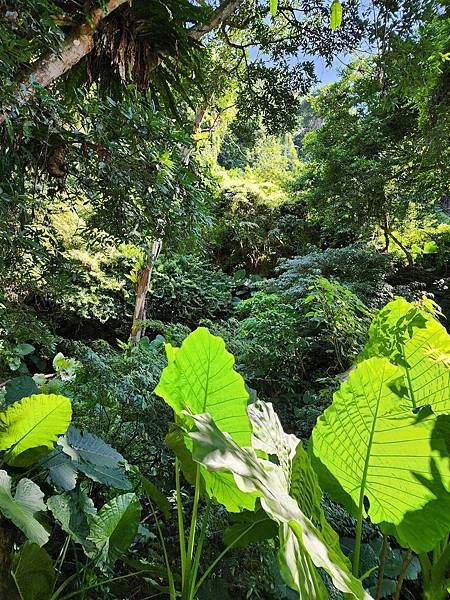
{"x": 113, "y": 397}
{"x": 24, "y": 340}
{"x": 358, "y": 266}
{"x": 186, "y": 289}
{"x": 268, "y": 340}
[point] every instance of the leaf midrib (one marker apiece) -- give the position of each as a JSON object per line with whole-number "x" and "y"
{"x": 369, "y": 448}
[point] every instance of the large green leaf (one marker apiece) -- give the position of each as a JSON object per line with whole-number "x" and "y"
{"x": 200, "y": 378}
{"x": 33, "y": 572}
{"x": 371, "y": 446}
{"x": 303, "y": 486}
{"x": 85, "y": 452}
{"x": 33, "y": 422}
{"x": 217, "y": 451}
{"x": 62, "y": 471}
{"x": 115, "y": 526}
{"x": 154, "y": 494}
{"x": 68, "y": 513}
{"x": 23, "y": 507}
{"x": 416, "y": 341}
{"x": 20, "y": 387}
{"x": 249, "y": 527}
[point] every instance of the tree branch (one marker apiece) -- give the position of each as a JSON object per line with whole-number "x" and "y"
{"x": 80, "y": 43}
{"x": 77, "y": 45}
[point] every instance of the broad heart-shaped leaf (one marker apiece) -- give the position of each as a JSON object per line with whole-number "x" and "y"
{"x": 303, "y": 486}
{"x": 84, "y": 446}
{"x": 68, "y": 512}
{"x": 200, "y": 378}
{"x": 62, "y": 471}
{"x": 20, "y": 387}
{"x": 115, "y": 526}
{"x": 33, "y": 422}
{"x": 416, "y": 341}
{"x": 369, "y": 445}
{"x": 23, "y": 507}
{"x": 33, "y": 572}
{"x": 219, "y": 452}
{"x": 82, "y": 451}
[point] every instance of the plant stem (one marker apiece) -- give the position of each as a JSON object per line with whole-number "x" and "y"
{"x": 381, "y": 568}
{"x": 166, "y": 557}
{"x": 99, "y": 583}
{"x": 181, "y": 534}
{"x": 198, "y": 551}
{"x": 358, "y": 534}
{"x": 192, "y": 531}
{"x": 221, "y": 555}
{"x": 401, "y": 577}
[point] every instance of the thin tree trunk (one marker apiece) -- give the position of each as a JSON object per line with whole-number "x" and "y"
{"x": 409, "y": 256}
{"x": 80, "y": 43}
{"x": 385, "y": 228}
{"x": 142, "y": 287}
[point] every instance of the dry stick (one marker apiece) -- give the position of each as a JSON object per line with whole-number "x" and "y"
{"x": 381, "y": 568}
{"x": 401, "y": 577}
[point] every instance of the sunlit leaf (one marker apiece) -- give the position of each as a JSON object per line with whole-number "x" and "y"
{"x": 200, "y": 378}
{"x": 336, "y": 15}
{"x": 33, "y": 422}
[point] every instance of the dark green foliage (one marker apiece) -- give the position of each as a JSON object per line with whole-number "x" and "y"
{"x": 186, "y": 289}
{"x": 25, "y": 342}
{"x": 113, "y": 398}
{"x": 358, "y": 266}
{"x": 268, "y": 331}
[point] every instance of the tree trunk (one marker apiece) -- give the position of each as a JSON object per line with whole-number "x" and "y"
{"x": 77, "y": 45}
{"x": 409, "y": 256}
{"x": 385, "y": 228}
{"x": 80, "y": 43}
{"x": 142, "y": 287}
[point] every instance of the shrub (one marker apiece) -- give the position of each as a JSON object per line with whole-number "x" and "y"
{"x": 186, "y": 289}
{"x": 268, "y": 340}
{"x": 113, "y": 397}
{"x": 358, "y": 266}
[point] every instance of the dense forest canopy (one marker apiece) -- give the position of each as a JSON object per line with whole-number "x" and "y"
{"x": 224, "y": 363}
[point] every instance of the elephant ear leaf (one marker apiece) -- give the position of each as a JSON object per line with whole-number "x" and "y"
{"x": 114, "y": 527}
{"x": 218, "y": 452}
{"x": 302, "y": 483}
{"x": 413, "y": 339}
{"x": 33, "y": 572}
{"x": 200, "y": 378}
{"x": 369, "y": 447}
{"x": 31, "y": 426}
{"x": 23, "y": 508}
